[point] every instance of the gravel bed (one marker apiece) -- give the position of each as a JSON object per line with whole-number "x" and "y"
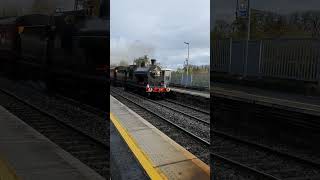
{"x": 192, "y": 125}
{"x": 191, "y": 112}
{"x": 258, "y": 159}
{"x": 76, "y": 143}
{"x": 196, "y": 148}
{"x": 92, "y": 124}
{"x": 279, "y": 146}
{"x": 191, "y": 100}
{"x": 193, "y": 106}
{"x": 224, "y": 171}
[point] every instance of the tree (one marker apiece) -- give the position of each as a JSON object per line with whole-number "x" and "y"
{"x": 92, "y": 6}
{"x": 144, "y": 59}
{"x": 123, "y": 63}
{"x": 315, "y": 24}
{"x": 40, "y": 6}
{"x": 221, "y": 29}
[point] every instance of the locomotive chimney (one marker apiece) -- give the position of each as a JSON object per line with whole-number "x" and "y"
{"x": 153, "y": 61}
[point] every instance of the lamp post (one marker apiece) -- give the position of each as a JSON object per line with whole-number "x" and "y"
{"x": 187, "y": 60}
{"x": 248, "y": 38}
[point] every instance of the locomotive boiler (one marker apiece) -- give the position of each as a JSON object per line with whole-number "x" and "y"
{"x": 148, "y": 79}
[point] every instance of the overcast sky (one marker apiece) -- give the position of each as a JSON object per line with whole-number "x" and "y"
{"x": 159, "y": 28}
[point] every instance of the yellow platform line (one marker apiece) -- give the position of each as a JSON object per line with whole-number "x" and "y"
{"x": 137, "y": 151}
{"x": 6, "y": 172}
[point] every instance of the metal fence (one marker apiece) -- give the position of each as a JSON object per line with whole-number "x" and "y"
{"x": 287, "y": 59}
{"x": 201, "y": 80}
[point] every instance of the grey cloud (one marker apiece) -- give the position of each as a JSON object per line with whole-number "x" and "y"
{"x": 163, "y": 25}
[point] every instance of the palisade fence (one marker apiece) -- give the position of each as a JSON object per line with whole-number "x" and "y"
{"x": 196, "y": 80}
{"x": 297, "y": 59}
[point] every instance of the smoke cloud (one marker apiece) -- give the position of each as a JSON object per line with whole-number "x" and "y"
{"x": 123, "y": 50}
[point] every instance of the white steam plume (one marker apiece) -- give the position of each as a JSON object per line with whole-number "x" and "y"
{"x": 122, "y": 50}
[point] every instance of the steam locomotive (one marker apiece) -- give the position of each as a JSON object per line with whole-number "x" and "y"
{"x": 151, "y": 80}
{"x": 64, "y": 48}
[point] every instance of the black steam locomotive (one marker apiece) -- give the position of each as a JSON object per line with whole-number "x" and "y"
{"x": 64, "y": 48}
{"x": 149, "y": 80}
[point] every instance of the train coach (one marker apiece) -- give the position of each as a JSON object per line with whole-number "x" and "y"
{"x": 151, "y": 80}
{"x": 118, "y": 75}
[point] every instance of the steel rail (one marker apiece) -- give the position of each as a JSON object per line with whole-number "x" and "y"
{"x": 266, "y": 148}
{"x": 197, "y": 138}
{"x": 166, "y": 106}
{"x": 190, "y": 107}
{"x": 52, "y": 116}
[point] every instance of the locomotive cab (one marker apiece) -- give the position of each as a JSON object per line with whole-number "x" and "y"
{"x": 166, "y": 73}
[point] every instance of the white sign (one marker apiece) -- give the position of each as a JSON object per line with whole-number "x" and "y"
{"x": 243, "y": 8}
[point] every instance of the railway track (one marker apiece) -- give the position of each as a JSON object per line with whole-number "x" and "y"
{"x": 192, "y": 123}
{"x": 249, "y": 159}
{"x": 182, "y": 135}
{"x": 76, "y": 103}
{"x": 261, "y": 161}
{"x": 187, "y": 106}
{"x": 87, "y": 149}
{"x": 189, "y": 111}
{"x": 263, "y": 151}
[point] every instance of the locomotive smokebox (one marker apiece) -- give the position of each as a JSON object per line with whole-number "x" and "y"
{"x": 153, "y": 61}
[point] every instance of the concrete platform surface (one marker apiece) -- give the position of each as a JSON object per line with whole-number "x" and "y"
{"x": 166, "y": 157}
{"x": 288, "y": 101}
{"x": 124, "y": 165}
{"x": 31, "y": 156}
{"x": 203, "y": 94}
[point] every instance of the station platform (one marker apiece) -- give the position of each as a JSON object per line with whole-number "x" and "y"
{"x": 158, "y": 155}
{"x": 287, "y": 101}
{"x": 123, "y": 164}
{"x": 25, "y": 154}
{"x": 202, "y": 94}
